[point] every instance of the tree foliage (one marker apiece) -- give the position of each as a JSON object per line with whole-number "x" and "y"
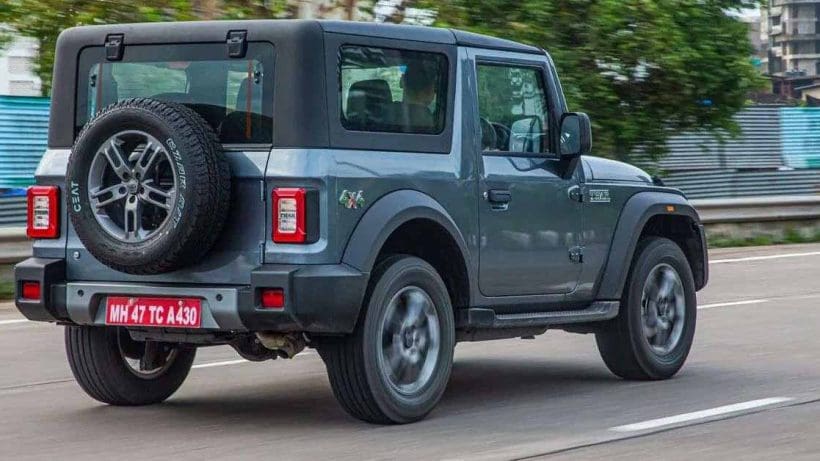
{"x": 642, "y": 69}
{"x": 45, "y": 19}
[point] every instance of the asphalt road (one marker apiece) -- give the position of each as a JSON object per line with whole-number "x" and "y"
{"x": 750, "y": 390}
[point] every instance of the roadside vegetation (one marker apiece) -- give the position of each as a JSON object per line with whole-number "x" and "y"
{"x": 787, "y": 237}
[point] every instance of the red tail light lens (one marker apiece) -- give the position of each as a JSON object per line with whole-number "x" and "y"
{"x": 289, "y": 215}
{"x": 31, "y": 290}
{"x": 43, "y": 212}
{"x": 273, "y": 298}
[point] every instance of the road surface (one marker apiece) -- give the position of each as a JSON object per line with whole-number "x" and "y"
{"x": 750, "y": 390}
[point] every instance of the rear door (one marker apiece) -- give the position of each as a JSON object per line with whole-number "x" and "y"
{"x": 529, "y": 220}
{"x": 232, "y": 94}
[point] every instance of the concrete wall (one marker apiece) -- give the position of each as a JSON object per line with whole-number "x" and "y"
{"x": 16, "y": 68}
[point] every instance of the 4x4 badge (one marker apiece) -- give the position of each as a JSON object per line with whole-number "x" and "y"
{"x": 351, "y": 200}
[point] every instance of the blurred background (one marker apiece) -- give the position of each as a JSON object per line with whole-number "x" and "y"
{"x": 720, "y": 98}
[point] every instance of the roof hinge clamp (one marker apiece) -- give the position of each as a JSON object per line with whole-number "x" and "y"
{"x": 237, "y": 43}
{"x": 114, "y": 47}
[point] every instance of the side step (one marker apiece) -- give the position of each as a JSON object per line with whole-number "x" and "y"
{"x": 482, "y": 318}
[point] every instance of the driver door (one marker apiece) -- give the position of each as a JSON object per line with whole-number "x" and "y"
{"x": 529, "y": 221}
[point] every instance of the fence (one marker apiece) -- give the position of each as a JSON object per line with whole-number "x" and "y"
{"x": 777, "y": 153}
{"x": 23, "y": 139}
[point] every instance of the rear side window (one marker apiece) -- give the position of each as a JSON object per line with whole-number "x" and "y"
{"x": 232, "y": 95}
{"x": 390, "y": 90}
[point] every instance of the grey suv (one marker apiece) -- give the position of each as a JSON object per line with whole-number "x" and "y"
{"x": 378, "y": 193}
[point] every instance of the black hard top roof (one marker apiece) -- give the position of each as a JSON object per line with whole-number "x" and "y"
{"x": 425, "y": 34}
{"x": 193, "y": 31}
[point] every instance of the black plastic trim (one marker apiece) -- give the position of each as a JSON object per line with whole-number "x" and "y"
{"x": 637, "y": 211}
{"x": 51, "y": 275}
{"x": 318, "y": 299}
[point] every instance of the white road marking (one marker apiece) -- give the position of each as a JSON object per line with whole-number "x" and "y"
{"x": 697, "y": 415}
{"x": 13, "y": 321}
{"x": 220, "y": 364}
{"x": 240, "y": 361}
{"x": 764, "y": 258}
{"x": 733, "y": 303}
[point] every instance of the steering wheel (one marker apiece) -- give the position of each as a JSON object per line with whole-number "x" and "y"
{"x": 489, "y": 138}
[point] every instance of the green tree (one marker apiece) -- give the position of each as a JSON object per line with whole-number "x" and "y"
{"x": 642, "y": 69}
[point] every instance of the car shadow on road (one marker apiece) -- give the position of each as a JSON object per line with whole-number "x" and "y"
{"x": 308, "y": 399}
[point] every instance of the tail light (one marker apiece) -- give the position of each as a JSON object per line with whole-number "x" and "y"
{"x": 273, "y": 298}
{"x": 289, "y": 215}
{"x": 31, "y": 290}
{"x": 43, "y": 212}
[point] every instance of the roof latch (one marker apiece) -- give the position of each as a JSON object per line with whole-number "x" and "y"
{"x": 113, "y": 47}
{"x": 237, "y": 43}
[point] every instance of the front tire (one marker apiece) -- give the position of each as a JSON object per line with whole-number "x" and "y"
{"x": 652, "y": 335}
{"x": 114, "y": 369}
{"x": 396, "y": 364}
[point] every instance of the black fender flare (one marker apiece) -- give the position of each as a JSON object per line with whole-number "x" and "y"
{"x": 386, "y": 215}
{"x": 639, "y": 209}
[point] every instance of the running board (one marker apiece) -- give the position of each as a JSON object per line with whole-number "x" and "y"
{"x": 487, "y": 318}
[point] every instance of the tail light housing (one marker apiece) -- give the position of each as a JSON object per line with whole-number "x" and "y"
{"x": 43, "y": 212}
{"x": 289, "y": 215}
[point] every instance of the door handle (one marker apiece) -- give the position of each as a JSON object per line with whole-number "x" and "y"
{"x": 498, "y": 196}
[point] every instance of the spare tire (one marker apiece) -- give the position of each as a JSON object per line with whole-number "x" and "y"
{"x": 148, "y": 186}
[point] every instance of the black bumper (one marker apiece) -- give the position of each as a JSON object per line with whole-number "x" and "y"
{"x": 318, "y": 298}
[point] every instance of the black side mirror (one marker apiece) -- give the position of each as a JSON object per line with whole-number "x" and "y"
{"x": 576, "y": 134}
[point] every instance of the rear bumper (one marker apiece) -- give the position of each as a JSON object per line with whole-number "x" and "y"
{"x": 318, "y": 298}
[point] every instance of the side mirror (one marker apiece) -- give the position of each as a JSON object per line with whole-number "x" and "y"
{"x": 576, "y": 134}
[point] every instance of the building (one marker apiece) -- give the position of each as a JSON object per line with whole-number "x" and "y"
{"x": 793, "y": 33}
{"x": 17, "y": 77}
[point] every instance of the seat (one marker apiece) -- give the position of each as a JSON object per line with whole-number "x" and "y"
{"x": 369, "y": 104}
{"x": 242, "y": 125}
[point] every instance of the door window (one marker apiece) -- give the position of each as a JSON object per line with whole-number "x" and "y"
{"x": 513, "y": 110}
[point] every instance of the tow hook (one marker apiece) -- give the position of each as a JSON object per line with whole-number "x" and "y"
{"x": 286, "y": 345}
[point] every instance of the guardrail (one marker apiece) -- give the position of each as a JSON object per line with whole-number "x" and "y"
{"x": 14, "y": 247}
{"x": 758, "y": 209}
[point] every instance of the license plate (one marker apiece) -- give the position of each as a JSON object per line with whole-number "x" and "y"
{"x": 154, "y": 312}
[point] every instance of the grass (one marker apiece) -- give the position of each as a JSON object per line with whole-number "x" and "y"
{"x": 789, "y": 236}
{"x": 6, "y": 290}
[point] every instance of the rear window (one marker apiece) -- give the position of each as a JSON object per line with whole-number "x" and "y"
{"x": 233, "y": 95}
{"x": 389, "y": 90}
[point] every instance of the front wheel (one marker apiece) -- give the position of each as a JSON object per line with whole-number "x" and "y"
{"x": 652, "y": 335}
{"x": 114, "y": 369}
{"x": 395, "y": 366}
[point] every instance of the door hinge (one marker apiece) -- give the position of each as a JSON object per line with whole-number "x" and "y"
{"x": 237, "y": 43}
{"x": 576, "y": 254}
{"x": 113, "y": 47}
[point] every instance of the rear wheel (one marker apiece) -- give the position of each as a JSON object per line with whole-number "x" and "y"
{"x": 653, "y": 333}
{"x": 395, "y": 366}
{"x": 114, "y": 369}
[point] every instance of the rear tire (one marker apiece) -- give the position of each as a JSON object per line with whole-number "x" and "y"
{"x": 395, "y": 366}
{"x": 644, "y": 342}
{"x": 97, "y": 356}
